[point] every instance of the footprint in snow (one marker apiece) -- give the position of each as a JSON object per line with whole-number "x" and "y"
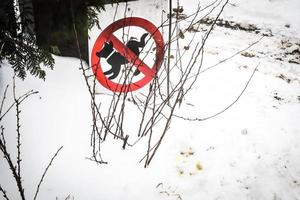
{"x": 187, "y": 163}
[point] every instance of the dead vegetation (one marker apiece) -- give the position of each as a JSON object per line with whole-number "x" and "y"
{"x": 14, "y": 164}
{"x": 153, "y": 109}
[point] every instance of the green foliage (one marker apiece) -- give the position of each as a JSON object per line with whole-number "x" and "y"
{"x": 18, "y": 44}
{"x": 93, "y": 8}
{"x": 92, "y": 13}
{"x": 24, "y": 55}
{"x": 29, "y": 52}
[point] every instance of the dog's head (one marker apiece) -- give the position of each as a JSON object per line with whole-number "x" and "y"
{"x": 106, "y": 50}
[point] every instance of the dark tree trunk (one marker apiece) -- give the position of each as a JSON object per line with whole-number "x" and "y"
{"x": 7, "y": 17}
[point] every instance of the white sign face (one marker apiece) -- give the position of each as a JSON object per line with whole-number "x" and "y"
{"x": 129, "y": 43}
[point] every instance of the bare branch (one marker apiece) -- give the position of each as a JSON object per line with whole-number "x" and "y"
{"x": 3, "y": 99}
{"x": 20, "y": 100}
{"x": 18, "y": 111}
{"x": 169, "y": 47}
{"x": 233, "y": 55}
{"x": 2, "y": 48}
{"x": 4, "y": 193}
{"x": 44, "y": 174}
{"x": 229, "y": 106}
{"x": 12, "y": 168}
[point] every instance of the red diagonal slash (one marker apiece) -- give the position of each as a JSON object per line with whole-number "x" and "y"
{"x": 131, "y": 57}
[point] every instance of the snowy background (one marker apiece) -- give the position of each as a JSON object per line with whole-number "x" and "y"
{"x": 251, "y": 151}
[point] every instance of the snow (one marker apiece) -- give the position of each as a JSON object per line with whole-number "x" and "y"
{"x": 251, "y": 151}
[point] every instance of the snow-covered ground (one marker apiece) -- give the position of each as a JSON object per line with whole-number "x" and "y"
{"x": 251, "y": 151}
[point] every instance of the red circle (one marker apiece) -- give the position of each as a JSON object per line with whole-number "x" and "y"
{"x": 105, "y": 37}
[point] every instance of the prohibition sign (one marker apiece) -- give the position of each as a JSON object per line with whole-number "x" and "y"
{"x": 108, "y": 36}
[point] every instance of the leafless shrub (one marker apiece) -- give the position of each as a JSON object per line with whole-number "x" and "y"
{"x": 153, "y": 110}
{"x": 15, "y": 167}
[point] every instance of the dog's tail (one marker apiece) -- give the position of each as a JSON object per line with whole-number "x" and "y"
{"x": 142, "y": 42}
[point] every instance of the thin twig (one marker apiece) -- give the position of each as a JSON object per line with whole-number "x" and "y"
{"x": 233, "y": 55}
{"x": 90, "y": 89}
{"x": 20, "y": 100}
{"x": 47, "y": 168}
{"x": 169, "y": 47}
{"x": 2, "y": 48}
{"x": 12, "y": 169}
{"x": 3, "y": 99}
{"x": 227, "y": 107}
{"x": 18, "y": 111}
{"x": 4, "y": 193}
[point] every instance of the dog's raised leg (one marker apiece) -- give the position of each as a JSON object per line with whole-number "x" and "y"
{"x": 115, "y": 71}
{"x": 136, "y": 72}
{"x": 108, "y": 72}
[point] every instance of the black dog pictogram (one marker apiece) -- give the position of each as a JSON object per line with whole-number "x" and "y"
{"x": 115, "y": 59}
